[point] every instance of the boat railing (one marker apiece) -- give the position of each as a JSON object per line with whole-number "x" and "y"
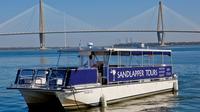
{"x": 56, "y": 78}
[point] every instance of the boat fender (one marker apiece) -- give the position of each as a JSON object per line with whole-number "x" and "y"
{"x": 175, "y": 76}
{"x": 175, "y": 86}
{"x": 103, "y": 101}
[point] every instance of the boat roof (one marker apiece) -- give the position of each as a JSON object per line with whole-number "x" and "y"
{"x": 134, "y": 49}
{"x": 116, "y": 51}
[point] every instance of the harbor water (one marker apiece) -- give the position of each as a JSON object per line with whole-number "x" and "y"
{"x": 186, "y": 61}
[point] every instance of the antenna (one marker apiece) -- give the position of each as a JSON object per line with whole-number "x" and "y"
{"x": 65, "y": 30}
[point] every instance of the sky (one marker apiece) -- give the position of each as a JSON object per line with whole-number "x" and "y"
{"x": 99, "y": 13}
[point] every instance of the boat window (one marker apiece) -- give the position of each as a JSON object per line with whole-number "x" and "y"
{"x": 148, "y": 60}
{"x": 135, "y": 60}
{"x": 157, "y": 59}
{"x": 99, "y": 57}
{"x": 69, "y": 59}
{"x": 57, "y": 77}
{"x": 58, "y": 73}
{"x": 42, "y": 72}
{"x": 84, "y": 61}
{"x": 162, "y": 59}
{"x": 125, "y": 60}
{"x": 167, "y": 60}
{"x": 139, "y": 59}
{"x": 27, "y": 72}
{"x": 87, "y": 62}
{"x": 113, "y": 60}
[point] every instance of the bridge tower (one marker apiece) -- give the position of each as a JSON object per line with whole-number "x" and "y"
{"x": 41, "y": 26}
{"x": 160, "y": 25}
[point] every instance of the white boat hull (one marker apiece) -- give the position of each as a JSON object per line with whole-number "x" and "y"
{"x": 114, "y": 93}
{"x": 80, "y": 97}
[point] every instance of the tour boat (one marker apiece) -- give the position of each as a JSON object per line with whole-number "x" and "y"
{"x": 97, "y": 77}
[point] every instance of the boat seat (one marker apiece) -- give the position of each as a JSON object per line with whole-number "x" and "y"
{"x": 40, "y": 80}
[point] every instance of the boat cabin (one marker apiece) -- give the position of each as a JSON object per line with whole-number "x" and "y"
{"x": 103, "y": 66}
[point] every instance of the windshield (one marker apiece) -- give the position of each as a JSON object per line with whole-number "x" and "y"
{"x": 27, "y": 72}
{"x": 42, "y": 72}
{"x": 69, "y": 59}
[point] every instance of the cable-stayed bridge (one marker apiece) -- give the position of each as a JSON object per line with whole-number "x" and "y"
{"x": 159, "y": 20}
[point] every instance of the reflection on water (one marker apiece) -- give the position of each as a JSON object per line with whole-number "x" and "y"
{"x": 157, "y": 103}
{"x": 43, "y": 60}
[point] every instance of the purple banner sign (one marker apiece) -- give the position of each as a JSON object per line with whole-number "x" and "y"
{"x": 126, "y": 74}
{"x": 83, "y": 76}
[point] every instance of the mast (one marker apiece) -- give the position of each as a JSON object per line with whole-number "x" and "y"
{"x": 41, "y": 26}
{"x": 160, "y": 25}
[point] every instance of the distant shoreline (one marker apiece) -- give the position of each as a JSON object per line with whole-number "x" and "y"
{"x": 156, "y": 44}
{"x": 36, "y": 48}
{"x": 27, "y": 48}
{"x": 116, "y": 45}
